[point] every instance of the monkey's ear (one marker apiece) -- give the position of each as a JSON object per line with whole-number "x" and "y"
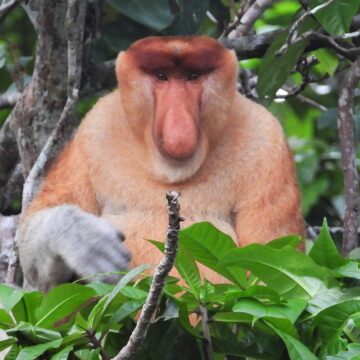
{"x": 120, "y": 64}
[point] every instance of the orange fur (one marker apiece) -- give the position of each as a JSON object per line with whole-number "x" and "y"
{"x": 240, "y": 177}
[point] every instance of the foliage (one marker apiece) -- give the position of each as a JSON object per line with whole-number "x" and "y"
{"x": 292, "y": 306}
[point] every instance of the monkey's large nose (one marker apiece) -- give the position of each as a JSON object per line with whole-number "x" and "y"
{"x": 179, "y": 136}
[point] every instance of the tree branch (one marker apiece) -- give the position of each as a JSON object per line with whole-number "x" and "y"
{"x": 9, "y": 155}
{"x": 206, "y": 331}
{"x": 161, "y": 272}
{"x": 97, "y": 344}
{"x": 347, "y": 146}
{"x": 322, "y": 40}
{"x": 13, "y": 188}
{"x": 75, "y": 15}
{"x": 302, "y": 18}
{"x": 251, "y": 15}
{"x": 9, "y": 99}
{"x": 6, "y": 7}
{"x": 8, "y": 225}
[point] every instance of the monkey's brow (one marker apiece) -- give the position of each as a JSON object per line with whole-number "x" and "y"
{"x": 201, "y": 62}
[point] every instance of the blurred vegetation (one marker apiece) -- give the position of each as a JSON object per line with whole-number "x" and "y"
{"x": 311, "y": 132}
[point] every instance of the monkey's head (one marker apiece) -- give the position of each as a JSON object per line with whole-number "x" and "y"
{"x": 177, "y": 94}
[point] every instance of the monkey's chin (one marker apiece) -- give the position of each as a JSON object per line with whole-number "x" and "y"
{"x": 172, "y": 170}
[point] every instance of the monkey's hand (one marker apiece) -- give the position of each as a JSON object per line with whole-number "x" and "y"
{"x": 62, "y": 243}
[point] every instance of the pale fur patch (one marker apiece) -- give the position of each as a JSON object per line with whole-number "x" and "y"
{"x": 176, "y": 171}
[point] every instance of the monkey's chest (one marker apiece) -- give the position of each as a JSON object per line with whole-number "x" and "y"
{"x": 141, "y": 222}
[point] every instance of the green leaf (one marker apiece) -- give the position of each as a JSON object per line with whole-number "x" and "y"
{"x": 185, "y": 265}
{"x": 6, "y": 321}
{"x": 274, "y": 69}
{"x": 352, "y": 353}
{"x": 100, "y": 308}
{"x": 63, "y": 354}
{"x": 287, "y": 271}
{"x": 25, "y": 309}
{"x": 124, "y": 311}
{"x": 4, "y": 344}
{"x": 134, "y": 293}
{"x": 62, "y": 301}
{"x": 187, "y": 268}
{"x": 290, "y": 311}
{"x": 291, "y": 240}
{"x": 324, "y": 251}
{"x": 88, "y": 354}
{"x": 100, "y": 288}
{"x": 33, "y": 352}
{"x": 34, "y": 333}
{"x": 296, "y": 350}
{"x": 328, "y": 61}
{"x": 123, "y": 281}
{"x": 13, "y": 352}
{"x": 9, "y": 297}
{"x": 189, "y": 18}
{"x": 154, "y": 14}
{"x": 208, "y": 245}
{"x": 330, "y": 297}
{"x": 261, "y": 292}
{"x": 185, "y": 322}
{"x": 336, "y": 17}
{"x": 332, "y": 320}
{"x": 350, "y": 270}
{"x": 78, "y": 338}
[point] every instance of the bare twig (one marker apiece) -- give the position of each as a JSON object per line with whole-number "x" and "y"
{"x": 251, "y": 15}
{"x": 332, "y": 229}
{"x": 347, "y": 146}
{"x": 347, "y": 52}
{"x": 350, "y": 35}
{"x": 301, "y": 98}
{"x": 161, "y": 272}
{"x": 244, "y": 6}
{"x": 97, "y": 344}
{"x": 6, "y": 5}
{"x": 311, "y": 102}
{"x": 250, "y": 46}
{"x": 301, "y": 19}
{"x": 9, "y": 99}
{"x": 206, "y": 331}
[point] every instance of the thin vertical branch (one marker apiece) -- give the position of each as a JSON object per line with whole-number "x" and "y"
{"x": 206, "y": 331}
{"x": 161, "y": 272}
{"x": 347, "y": 146}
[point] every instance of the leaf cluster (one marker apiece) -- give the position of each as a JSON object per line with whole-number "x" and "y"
{"x": 275, "y": 303}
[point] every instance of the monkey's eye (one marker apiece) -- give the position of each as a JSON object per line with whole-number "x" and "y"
{"x": 160, "y": 75}
{"x": 193, "y": 76}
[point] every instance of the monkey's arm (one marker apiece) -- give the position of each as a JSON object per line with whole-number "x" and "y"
{"x": 270, "y": 206}
{"x": 60, "y": 235}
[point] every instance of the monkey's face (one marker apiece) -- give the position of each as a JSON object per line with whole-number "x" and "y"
{"x": 177, "y": 92}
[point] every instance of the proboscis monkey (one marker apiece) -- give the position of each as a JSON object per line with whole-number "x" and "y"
{"x": 176, "y": 122}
